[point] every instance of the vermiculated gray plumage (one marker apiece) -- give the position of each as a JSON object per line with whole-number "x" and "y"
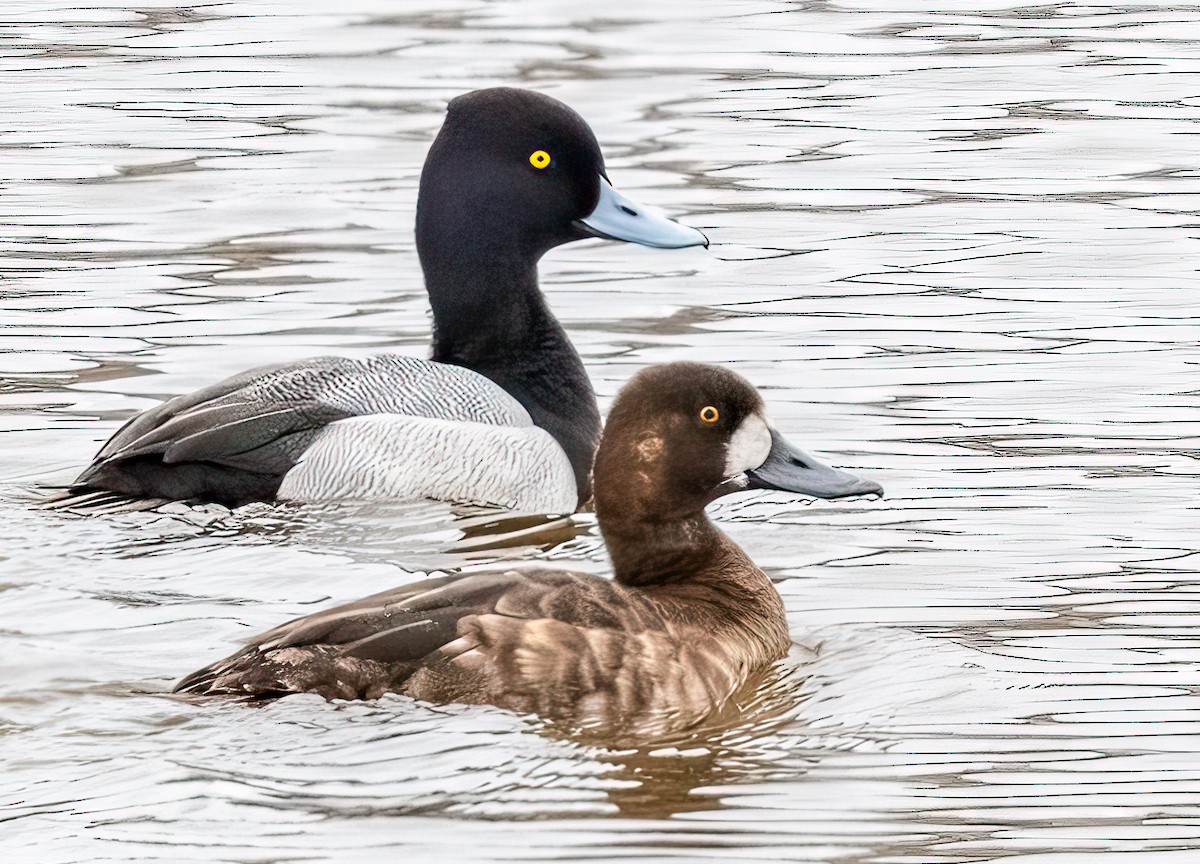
{"x": 252, "y": 428}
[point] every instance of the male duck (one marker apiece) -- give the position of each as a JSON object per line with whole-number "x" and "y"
{"x": 684, "y": 623}
{"x": 503, "y": 414}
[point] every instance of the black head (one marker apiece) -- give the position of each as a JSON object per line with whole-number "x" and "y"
{"x": 513, "y": 166}
{"x": 514, "y": 173}
{"x": 683, "y": 434}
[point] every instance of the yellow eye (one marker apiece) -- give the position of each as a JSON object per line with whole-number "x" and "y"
{"x": 709, "y": 414}
{"x": 539, "y": 159}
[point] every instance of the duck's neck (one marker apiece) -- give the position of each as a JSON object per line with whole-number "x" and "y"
{"x": 689, "y": 560}
{"x": 493, "y": 320}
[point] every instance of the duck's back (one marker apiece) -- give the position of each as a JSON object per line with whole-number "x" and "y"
{"x": 236, "y": 440}
{"x": 568, "y": 646}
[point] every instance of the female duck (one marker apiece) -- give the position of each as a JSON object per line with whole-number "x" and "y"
{"x": 686, "y": 620}
{"x": 504, "y": 413}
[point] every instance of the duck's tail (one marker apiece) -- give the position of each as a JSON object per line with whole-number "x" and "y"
{"x": 89, "y": 501}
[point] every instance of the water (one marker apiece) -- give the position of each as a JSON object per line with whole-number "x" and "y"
{"x": 955, "y": 246}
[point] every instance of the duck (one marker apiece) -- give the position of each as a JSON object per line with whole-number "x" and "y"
{"x": 502, "y": 414}
{"x": 685, "y": 621}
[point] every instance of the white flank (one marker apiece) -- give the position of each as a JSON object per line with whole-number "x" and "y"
{"x": 398, "y": 457}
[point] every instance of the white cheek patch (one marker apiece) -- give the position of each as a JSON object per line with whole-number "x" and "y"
{"x": 749, "y": 446}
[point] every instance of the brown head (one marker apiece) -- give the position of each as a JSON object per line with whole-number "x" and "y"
{"x": 679, "y": 436}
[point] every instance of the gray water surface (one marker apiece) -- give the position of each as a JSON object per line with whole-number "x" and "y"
{"x": 954, "y": 243}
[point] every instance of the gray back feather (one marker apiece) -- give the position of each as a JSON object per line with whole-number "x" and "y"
{"x": 262, "y": 420}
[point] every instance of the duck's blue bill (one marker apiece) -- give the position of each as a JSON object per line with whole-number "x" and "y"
{"x": 618, "y": 218}
{"x": 790, "y": 469}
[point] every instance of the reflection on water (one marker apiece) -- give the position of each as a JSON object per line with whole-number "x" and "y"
{"x": 954, "y": 245}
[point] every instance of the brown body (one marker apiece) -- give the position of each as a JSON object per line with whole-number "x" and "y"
{"x": 572, "y": 647}
{"x": 685, "y": 622}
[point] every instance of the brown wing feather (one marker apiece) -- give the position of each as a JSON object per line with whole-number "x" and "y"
{"x": 568, "y": 646}
{"x": 373, "y": 645}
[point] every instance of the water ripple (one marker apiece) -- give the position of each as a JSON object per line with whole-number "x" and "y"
{"x": 953, "y": 244}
